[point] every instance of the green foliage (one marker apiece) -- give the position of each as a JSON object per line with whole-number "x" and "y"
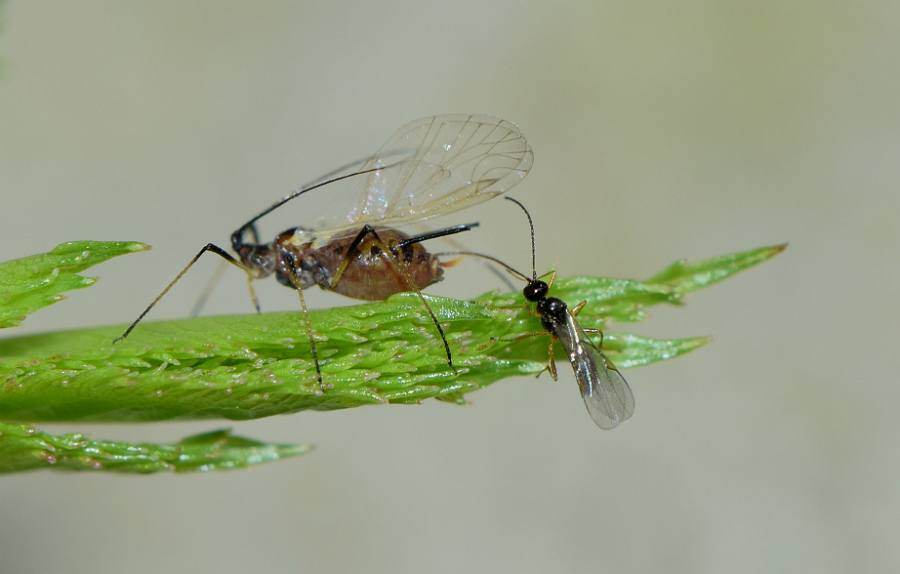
{"x": 25, "y": 448}
{"x": 247, "y": 367}
{"x": 35, "y": 282}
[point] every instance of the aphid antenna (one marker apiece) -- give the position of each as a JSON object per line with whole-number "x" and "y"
{"x": 250, "y": 225}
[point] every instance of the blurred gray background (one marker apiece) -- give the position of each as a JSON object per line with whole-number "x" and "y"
{"x": 661, "y": 130}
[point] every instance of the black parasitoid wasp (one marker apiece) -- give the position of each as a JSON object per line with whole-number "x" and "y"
{"x": 606, "y": 394}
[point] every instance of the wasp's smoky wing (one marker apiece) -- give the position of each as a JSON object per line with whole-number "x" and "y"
{"x": 606, "y": 394}
{"x": 430, "y": 167}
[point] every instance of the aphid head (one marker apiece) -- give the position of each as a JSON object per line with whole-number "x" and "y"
{"x": 535, "y": 291}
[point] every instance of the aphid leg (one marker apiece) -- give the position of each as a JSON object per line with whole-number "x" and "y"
{"x": 211, "y": 285}
{"x": 351, "y": 253}
{"x": 289, "y": 261}
{"x": 368, "y": 229}
{"x": 253, "y": 296}
{"x": 208, "y": 289}
{"x": 312, "y": 342}
{"x": 209, "y": 247}
{"x": 399, "y": 272}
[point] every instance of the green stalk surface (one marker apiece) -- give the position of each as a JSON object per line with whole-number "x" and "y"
{"x": 251, "y": 366}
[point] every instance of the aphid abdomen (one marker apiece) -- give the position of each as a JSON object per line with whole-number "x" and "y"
{"x": 377, "y": 269}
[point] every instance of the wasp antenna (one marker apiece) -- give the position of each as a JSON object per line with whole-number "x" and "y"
{"x": 530, "y": 224}
{"x": 483, "y": 256}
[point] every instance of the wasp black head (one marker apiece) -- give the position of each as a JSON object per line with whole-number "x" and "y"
{"x": 535, "y": 291}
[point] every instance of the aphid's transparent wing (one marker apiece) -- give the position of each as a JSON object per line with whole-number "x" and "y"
{"x": 606, "y": 394}
{"x": 430, "y": 167}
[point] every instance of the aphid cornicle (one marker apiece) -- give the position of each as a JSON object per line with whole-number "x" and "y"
{"x": 606, "y": 394}
{"x": 428, "y": 168}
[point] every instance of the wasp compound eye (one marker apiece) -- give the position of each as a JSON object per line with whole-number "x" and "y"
{"x": 535, "y": 291}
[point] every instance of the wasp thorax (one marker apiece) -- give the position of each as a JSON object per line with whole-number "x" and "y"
{"x": 552, "y": 306}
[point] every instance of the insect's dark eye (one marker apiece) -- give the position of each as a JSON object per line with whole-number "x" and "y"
{"x": 535, "y": 291}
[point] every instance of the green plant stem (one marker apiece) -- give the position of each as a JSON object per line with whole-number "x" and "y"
{"x": 247, "y": 367}
{"x": 24, "y": 448}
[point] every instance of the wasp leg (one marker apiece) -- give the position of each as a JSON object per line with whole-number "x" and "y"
{"x": 525, "y": 335}
{"x": 595, "y": 332}
{"x": 552, "y": 363}
{"x": 521, "y": 337}
{"x": 213, "y": 249}
{"x": 575, "y": 312}
{"x": 552, "y": 279}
